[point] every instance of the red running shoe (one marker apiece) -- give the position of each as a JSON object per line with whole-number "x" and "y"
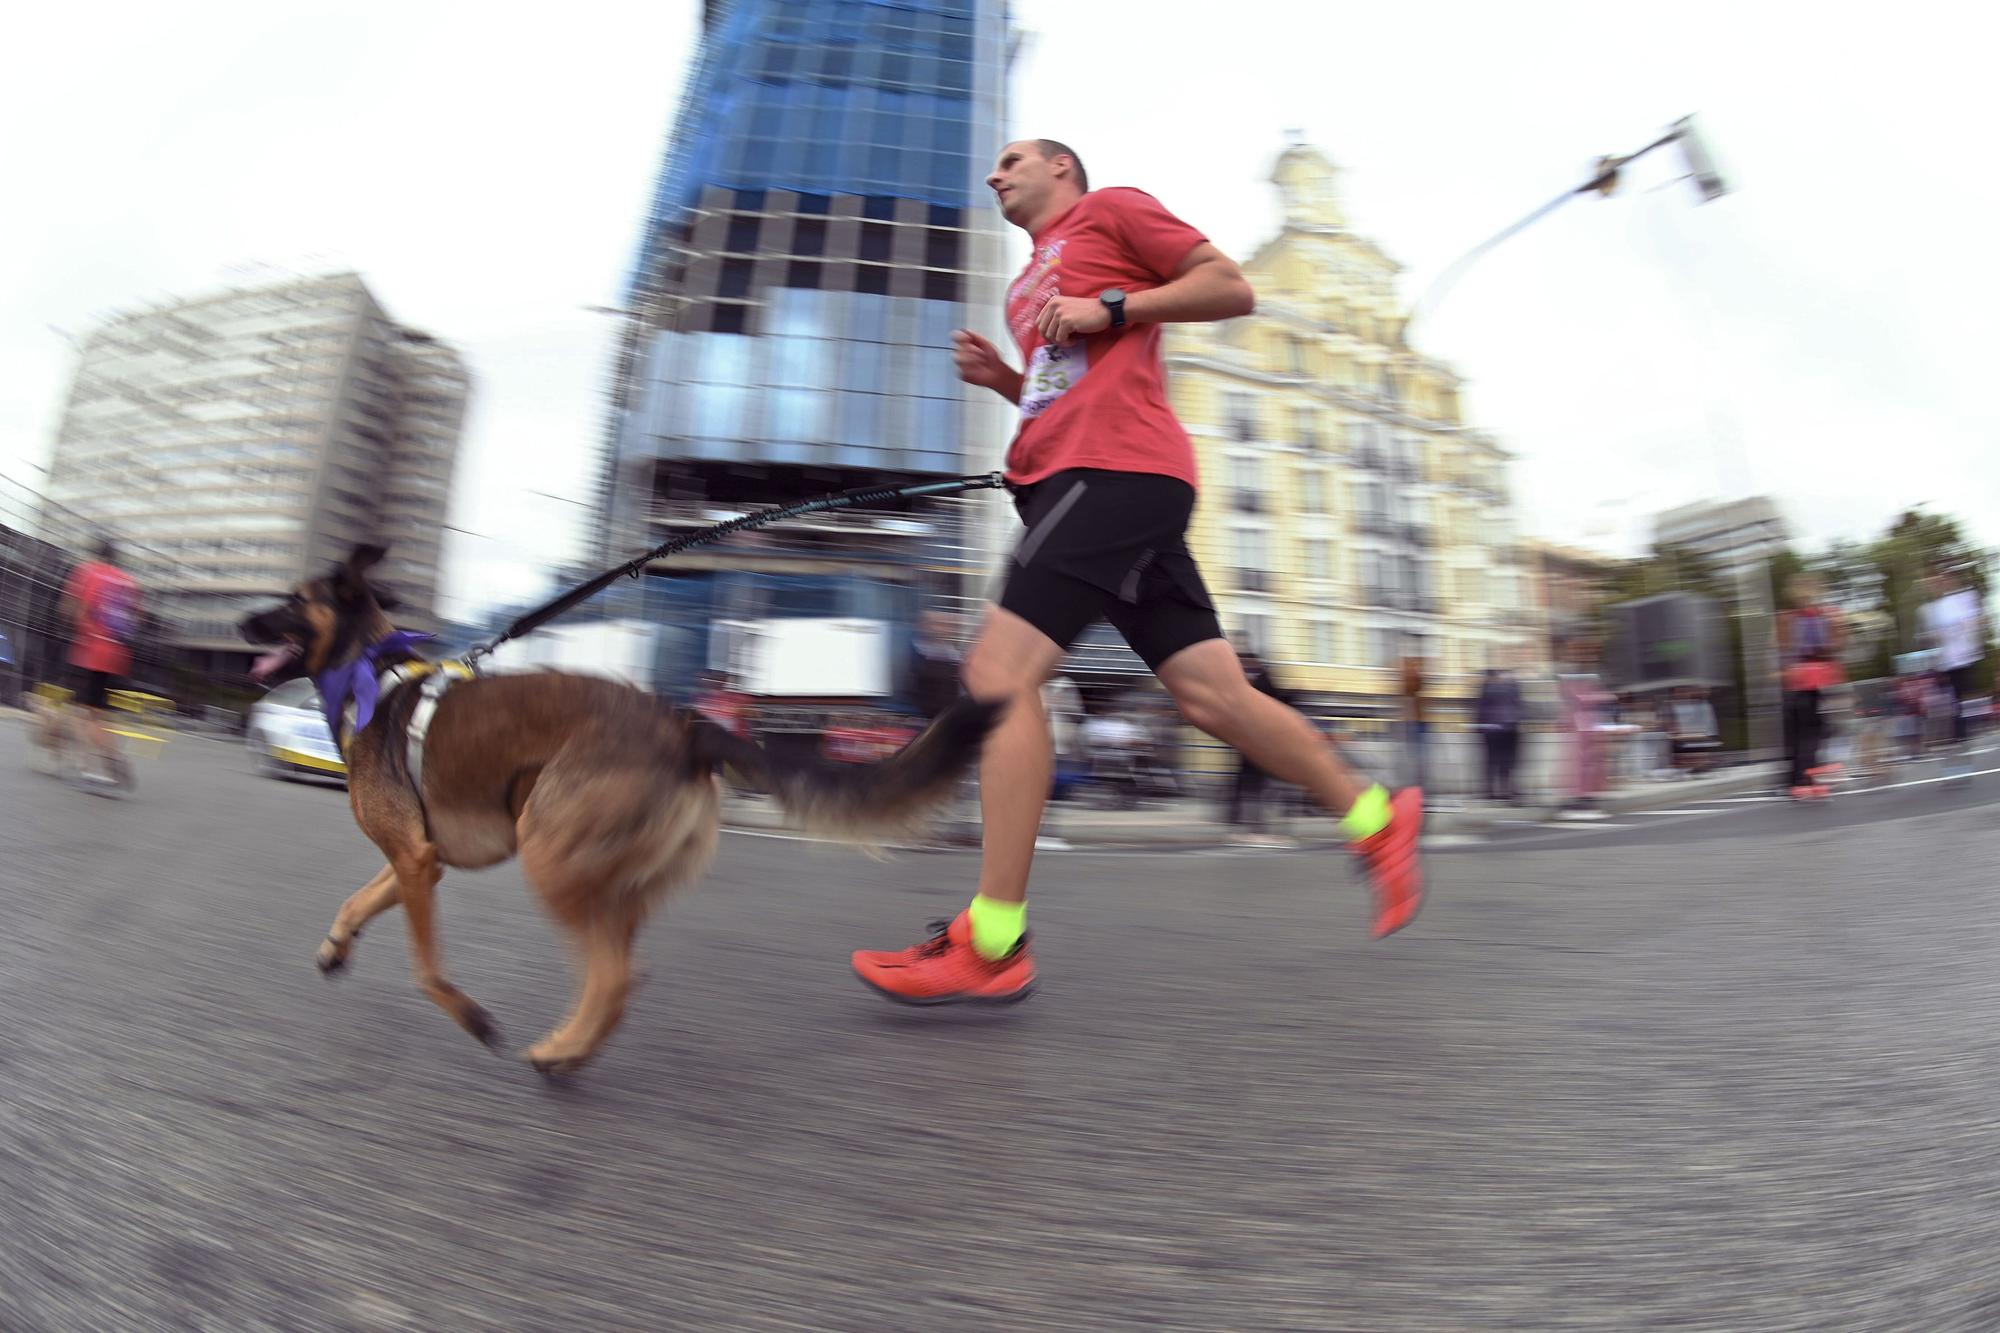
{"x": 946, "y": 969}
{"x": 1390, "y": 857}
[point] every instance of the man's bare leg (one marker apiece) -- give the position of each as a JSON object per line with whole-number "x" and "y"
{"x": 1208, "y": 683}
{"x": 1011, "y": 660}
{"x": 982, "y": 954}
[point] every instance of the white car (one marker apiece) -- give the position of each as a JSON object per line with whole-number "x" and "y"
{"x": 288, "y": 735}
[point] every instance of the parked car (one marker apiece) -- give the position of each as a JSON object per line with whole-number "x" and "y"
{"x": 288, "y": 735}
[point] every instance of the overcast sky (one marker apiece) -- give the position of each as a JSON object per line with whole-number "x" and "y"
{"x": 1820, "y": 335}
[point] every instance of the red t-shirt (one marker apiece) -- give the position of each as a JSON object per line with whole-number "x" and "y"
{"x": 1102, "y": 401}
{"x": 110, "y": 602}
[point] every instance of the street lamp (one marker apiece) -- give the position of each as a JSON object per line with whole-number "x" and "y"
{"x": 1604, "y": 180}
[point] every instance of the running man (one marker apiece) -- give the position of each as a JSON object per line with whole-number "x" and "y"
{"x": 101, "y": 604}
{"x": 1954, "y": 626}
{"x": 1104, "y": 479}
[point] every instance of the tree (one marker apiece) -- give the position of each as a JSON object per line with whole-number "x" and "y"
{"x": 1916, "y": 545}
{"x": 1783, "y": 569}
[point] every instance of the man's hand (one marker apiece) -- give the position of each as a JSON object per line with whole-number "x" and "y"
{"x": 978, "y": 362}
{"x": 1066, "y": 318}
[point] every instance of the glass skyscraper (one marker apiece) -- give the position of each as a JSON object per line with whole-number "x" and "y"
{"x": 819, "y": 227}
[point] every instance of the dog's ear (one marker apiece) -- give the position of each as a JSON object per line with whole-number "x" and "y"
{"x": 350, "y": 583}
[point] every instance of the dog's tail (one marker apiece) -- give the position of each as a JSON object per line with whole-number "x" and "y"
{"x": 865, "y": 803}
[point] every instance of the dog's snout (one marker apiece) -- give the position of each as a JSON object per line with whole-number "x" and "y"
{"x": 257, "y": 628}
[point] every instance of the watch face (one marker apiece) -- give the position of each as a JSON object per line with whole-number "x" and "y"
{"x": 1112, "y": 297}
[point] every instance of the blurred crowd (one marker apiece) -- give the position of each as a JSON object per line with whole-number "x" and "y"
{"x": 1562, "y": 738}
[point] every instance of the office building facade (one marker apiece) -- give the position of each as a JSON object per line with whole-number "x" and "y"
{"x": 818, "y": 229}
{"x": 236, "y": 442}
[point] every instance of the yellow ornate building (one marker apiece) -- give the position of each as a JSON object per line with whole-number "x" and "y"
{"x": 1348, "y": 516}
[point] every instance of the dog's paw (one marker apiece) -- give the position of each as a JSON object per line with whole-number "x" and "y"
{"x": 481, "y": 1025}
{"x": 331, "y": 958}
{"x": 552, "y": 1064}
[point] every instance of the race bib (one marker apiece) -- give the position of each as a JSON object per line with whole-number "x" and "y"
{"x": 1052, "y": 372}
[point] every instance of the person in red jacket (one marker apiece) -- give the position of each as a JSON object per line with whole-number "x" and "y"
{"x": 101, "y": 604}
{"x": 1104, "y": 480}
{"x": 1809, "y": 639}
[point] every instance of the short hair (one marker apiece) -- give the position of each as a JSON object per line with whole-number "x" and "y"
{"x": 1055, "y": 148}
{"x": 107, "y": 551}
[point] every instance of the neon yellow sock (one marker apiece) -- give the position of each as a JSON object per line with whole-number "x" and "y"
{"x": 996, "y": 927}
{"x": 1369, "y": 816}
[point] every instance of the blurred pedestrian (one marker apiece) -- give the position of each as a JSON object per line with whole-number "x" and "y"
{"x": 1247, "y": 804}
{"x": 1415, "y": 724}
{"x": 1954, "y": 626}
{"x": 934, "y": 663}
{"x": 101, "y": 605}
{"x": 1809, "y": 643}
{"x": 1498, "y": 718}
{"x": 1693, "y": 729}
{"x": 1063, "y": 703}
{"x": 722, "y": 703}
{"x": 1587, "y": 712}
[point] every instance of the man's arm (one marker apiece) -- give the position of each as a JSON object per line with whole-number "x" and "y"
{"x": 979, "y": 362}
{"x": 1206, "y": 286}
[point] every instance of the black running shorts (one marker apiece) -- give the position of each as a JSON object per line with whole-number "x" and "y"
{"x": 93, "y": 688}
{"x": 1110, "y": 546}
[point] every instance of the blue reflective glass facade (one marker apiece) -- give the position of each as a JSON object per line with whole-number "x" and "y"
{"x": 825, "y": 97}
{"x": 818, "y": 229}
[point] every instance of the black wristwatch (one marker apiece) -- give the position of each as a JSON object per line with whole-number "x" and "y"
{"x": 1114, "y": 301}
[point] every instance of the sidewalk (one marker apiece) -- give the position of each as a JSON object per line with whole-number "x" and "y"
{"x": 1197, "y": 823}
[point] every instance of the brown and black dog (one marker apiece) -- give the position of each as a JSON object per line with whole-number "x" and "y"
{"x": 609, "y": 796}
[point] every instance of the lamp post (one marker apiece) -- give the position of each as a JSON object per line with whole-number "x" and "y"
{"x": 1603, "y": 181}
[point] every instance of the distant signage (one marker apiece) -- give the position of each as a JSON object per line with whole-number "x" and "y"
{"x": 1666, "y": 641}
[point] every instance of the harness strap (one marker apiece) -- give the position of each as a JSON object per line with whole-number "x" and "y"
{"x": 420, "y": 725}
{"x": 437, "y": 677}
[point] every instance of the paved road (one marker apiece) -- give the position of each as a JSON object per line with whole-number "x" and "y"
{"x": 1707, "y": 1081}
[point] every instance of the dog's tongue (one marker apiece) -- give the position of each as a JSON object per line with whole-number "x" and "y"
{"x": 262, "y": 668}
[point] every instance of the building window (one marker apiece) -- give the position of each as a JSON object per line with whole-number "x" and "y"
{"x": 1317, "y": 564}
{"x": 1253, "y": 559}
{"x": 1322, "y": 642}
{"x": 875, "y": 242}
{"x": 1312, "y": 490}
{"x": 942, "y": 286}
{"x": 1361, "y": 442}
{"x": 1370, "y": 500}
{"x": 1253, "y": 631}
{"x": 941, "y": 248}
{"x": 1240, "y": 411}
{"x": 1246, "y": 482}
{"x": 735, "y": 278}
{"x": 743, "y": 235}
{"x": 1305, "y": 428}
